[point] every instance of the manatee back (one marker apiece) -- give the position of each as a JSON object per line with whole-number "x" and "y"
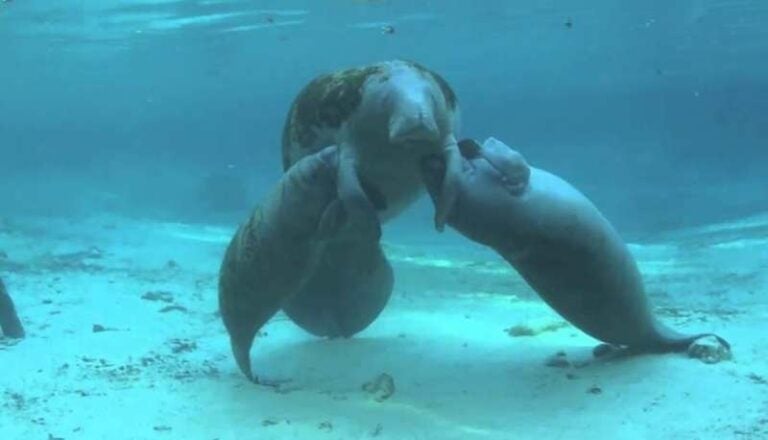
{"x": 579, "y": 264}
{"x": 319, "y": 110}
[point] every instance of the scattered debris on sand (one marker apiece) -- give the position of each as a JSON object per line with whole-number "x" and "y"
{"x": 381, "y": 388}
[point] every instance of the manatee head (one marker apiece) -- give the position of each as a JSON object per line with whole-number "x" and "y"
{"x": 407, "y": 113}
{"x": 492, "y": 183}
{"x": 404, "y": 105}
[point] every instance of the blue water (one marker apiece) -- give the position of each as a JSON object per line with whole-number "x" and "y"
{"x": 156, "y": 126}
{"x": 658, "y": 111}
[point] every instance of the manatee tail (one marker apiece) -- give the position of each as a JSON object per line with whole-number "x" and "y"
{"x": 661, "y": 339}
{"x": 669, "y": 340}
{"x": 241, "y": 349}
{"x": 665, "y": 344}
{"x": 243, "y": 311}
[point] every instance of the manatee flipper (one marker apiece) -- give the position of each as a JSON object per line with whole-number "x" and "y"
{"x": 9, "y": 320}
{"x": 449, "y": 187}
{"x": 347, "y": 291}
{"x": 350, "y": 189}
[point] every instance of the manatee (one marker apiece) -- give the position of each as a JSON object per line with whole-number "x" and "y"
{"x": 274, "y": 252}
{"x": 9, "y": 320}
{"x": 559, "y": 242}
{"x": 384, "y": 118}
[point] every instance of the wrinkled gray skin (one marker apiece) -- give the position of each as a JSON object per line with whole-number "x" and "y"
{"x": 559, "y": 242}
{"x": 9, "y": 320}
{"x": 275, "y": 252}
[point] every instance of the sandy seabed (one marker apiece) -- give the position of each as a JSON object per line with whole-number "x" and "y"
{"x": 124, "y": 342}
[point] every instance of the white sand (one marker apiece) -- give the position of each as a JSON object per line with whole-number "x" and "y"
{"x": 457, "y": 373}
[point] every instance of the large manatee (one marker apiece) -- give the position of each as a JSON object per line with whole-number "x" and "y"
{"x": 278, "y": 249}
{"x": 559, "y": 243}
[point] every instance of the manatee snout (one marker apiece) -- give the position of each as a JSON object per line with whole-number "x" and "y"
{"x": 413, "y": 125}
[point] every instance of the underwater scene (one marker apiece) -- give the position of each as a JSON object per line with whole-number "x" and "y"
{"x": 384, "y": 219}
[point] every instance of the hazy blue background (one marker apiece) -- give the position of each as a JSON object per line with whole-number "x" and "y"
{"x": 658, "y": 110}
